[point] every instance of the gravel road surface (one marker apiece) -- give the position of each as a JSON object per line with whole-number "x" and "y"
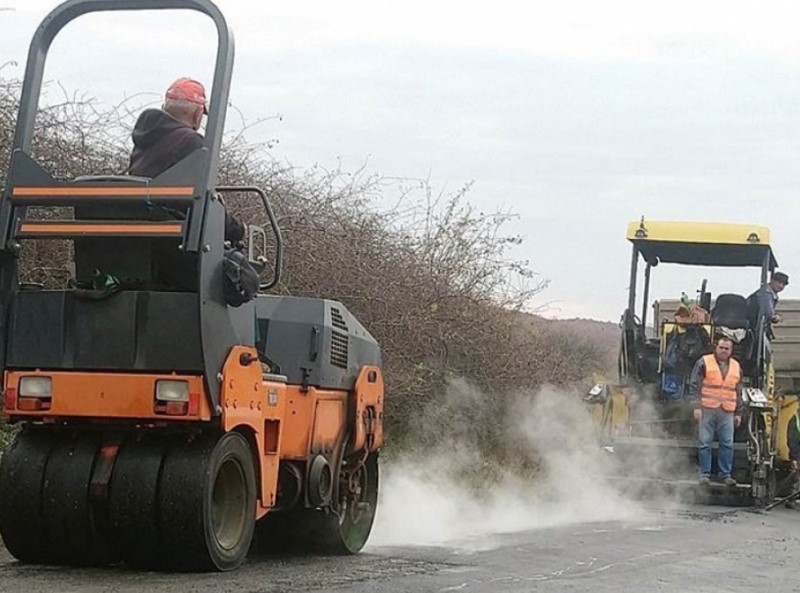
{"x": 693, "y": 549}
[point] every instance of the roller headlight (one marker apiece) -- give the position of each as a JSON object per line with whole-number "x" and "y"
{"x": 41, "y": 387}
{"x": 172, "y": 391}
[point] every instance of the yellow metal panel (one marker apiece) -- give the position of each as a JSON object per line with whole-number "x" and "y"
{"x": 611, "y": 418}
{"x": 620, "y": 414}
{"x": 698, "y": 232}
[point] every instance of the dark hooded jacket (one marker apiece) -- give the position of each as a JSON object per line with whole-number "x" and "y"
{"x": 159, "y": 142}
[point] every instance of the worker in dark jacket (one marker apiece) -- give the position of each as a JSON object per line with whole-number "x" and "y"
{"x": 163, "y": 137}
{"x": 762, "y": 303}
{"x": 793, "y": 442}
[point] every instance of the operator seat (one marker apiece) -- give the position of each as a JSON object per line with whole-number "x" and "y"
{"x": 730, "y": 313}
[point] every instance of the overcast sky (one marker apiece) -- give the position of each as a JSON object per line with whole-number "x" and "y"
{"x": 577, "y": 115}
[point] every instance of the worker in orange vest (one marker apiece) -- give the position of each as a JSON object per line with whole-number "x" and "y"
{"x": 716, "y": 389}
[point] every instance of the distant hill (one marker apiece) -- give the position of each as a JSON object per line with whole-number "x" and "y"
{"x": 604, "y": 332}
{"x": 604, "y": 335}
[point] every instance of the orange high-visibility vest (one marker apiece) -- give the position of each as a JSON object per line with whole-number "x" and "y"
{"x": 717, "y": 392}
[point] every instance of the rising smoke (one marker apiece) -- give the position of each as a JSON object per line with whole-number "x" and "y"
{"x": 425, "y": 499}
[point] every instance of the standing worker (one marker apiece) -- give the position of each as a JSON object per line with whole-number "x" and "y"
{"x": 716, "y": 389}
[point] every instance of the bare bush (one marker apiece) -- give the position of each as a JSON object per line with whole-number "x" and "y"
{"x": 432, "y": 278}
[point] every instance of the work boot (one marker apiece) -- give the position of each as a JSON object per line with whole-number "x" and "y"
{"x": 729, "y": 481}
{"x": 704, "y": 481}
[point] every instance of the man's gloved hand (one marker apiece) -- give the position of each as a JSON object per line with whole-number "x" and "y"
{"x": 776, "y": 318}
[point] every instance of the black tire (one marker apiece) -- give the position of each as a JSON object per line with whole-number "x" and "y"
{"x": 133, "y": 504}
{"x": 347, "y": 531}
{"x": 207, "y": 504}
{"x": 22, "y": 471}
{"x": 72, "y": 533}
{"x": 355, "y": 525}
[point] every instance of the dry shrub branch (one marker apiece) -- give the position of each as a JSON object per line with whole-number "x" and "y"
{"x": 432, "y": 278}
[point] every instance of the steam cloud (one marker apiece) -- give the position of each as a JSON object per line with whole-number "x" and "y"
{"x": 425, "y": 502}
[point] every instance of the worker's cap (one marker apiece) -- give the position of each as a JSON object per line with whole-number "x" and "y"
{"x": 780, "y": 277}
{"x": 188, "y": 89}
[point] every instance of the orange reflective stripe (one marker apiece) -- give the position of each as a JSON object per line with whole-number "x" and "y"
{"x": 716, "y": 396}
{"x": 724, "y": 391}
{"x": 51, "y": 192}
{"x": 42, "y": 228}
{"x": 717, "y": 386}
{"x": 728, "y": 405}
